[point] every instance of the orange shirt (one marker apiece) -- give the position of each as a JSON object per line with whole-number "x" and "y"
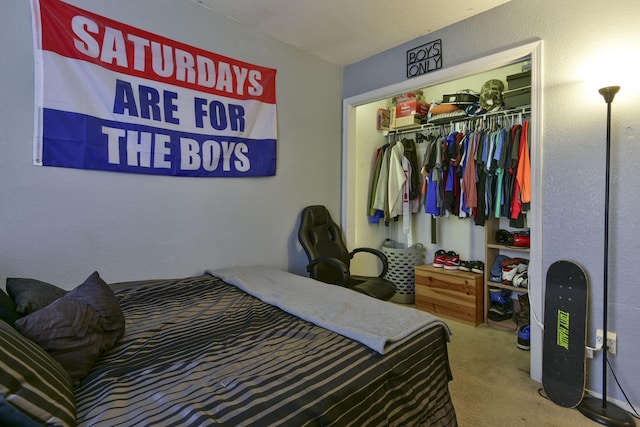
{"x": 522, "y": 191}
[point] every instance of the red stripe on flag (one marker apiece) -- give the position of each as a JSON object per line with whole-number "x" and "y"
{"x": 81, "y": 35}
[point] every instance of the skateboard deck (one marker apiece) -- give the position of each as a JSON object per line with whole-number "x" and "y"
{"x": 564, "y": 341}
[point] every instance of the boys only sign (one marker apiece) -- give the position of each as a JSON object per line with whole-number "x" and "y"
{"x": 114, "y": 97}
{"x": 424, "y": 59}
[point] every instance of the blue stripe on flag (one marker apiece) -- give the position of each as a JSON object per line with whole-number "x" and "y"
{"x": 79, "y": 141}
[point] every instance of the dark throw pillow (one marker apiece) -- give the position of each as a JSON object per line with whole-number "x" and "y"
{"x": 78, "y": 327}
{"x": 32, "y": 383}
{"x": 7, "y": 308}
{"x": 31, "y": 295}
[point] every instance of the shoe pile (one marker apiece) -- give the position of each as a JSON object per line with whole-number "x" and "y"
{"x": 495, "y": 274}
{"x": 450, "y": 260}
{"x": 465, "y": 265}
{"x": 515, "y": 272}
{"x": 477, "y": 267}
{"x": 501, "y": 305}
{"x": 439, "y": 258}
{"x": 510, "y": 271}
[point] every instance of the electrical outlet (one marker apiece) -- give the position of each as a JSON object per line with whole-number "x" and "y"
{"x": 611, "y": 344}
{"x": 599, "y": 338}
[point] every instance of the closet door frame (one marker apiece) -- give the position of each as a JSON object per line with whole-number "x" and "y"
{"x": 532, "y": 51}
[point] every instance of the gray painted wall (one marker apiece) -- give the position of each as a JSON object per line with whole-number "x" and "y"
{"x": 577, "y": 36}
{"x": 59, "y": 225}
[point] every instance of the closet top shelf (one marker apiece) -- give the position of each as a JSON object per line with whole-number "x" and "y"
{"x": 443, "y": 122}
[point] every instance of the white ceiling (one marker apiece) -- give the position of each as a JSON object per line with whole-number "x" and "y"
{"x": 347, "y": 31}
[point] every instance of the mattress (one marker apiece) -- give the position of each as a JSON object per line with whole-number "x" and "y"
{"x": 199, "y": 351}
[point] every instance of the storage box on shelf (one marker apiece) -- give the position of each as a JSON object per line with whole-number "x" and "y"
{"x": 492, "y": 250}
{"x": 409, "y": 113}
{"x": 383, "y": 119}
{"x": 517, "y": 97}
{"x": 412, "y": 108}
{"x": 461, "y": 98}
{"x": 520, "y": 80}
{"x": 402, "y": 122}
{"x": 453, "y": 294}
{"x": 518, "y": 93}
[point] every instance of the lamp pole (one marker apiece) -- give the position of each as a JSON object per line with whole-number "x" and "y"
{"x": 600, "y": 410}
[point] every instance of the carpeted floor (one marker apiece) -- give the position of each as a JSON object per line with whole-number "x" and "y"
{"x": 491, "y": 384}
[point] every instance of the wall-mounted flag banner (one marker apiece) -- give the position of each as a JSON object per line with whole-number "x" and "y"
{"x": 113, "y": 97}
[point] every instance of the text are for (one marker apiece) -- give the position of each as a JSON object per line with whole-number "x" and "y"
{"x": 149, "y": 103}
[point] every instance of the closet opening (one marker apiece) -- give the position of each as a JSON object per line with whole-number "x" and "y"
{"x": 361, "y": 139}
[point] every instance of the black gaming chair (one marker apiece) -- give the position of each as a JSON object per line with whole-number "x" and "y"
{"x": 329, "y": 259}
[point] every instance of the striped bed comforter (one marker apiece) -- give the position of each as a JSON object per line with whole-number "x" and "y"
{"x": 198, "y": 352}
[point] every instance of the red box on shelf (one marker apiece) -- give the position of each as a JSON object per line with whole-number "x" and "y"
{"x": 412, "y": 108}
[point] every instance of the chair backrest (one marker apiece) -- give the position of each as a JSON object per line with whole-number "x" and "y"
{"x": 321, "y": 237}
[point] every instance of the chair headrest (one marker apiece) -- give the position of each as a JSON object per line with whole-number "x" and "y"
{"x": 318, "y": 214}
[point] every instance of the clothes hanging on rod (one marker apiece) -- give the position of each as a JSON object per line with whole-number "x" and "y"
{"x": 442, "y": 171}
{"x": 469, "y": 188}
{"x": 490, "y": 162}
{"x": 395, "y": 191}
{"x": 378, "y": 190}
{"x": 478, "y": 168}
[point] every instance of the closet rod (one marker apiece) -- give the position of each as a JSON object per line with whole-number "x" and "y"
{"x": 419, "y": 128}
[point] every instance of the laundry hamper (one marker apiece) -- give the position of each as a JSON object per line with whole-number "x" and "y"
{"x": 402, "y": 262}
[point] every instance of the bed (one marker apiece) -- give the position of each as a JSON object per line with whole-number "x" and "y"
{"x": 260, "y": 346}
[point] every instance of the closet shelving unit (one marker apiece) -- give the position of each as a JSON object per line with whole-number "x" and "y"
{"x": 492, "y": 248}
{"x": 491, "y": 252}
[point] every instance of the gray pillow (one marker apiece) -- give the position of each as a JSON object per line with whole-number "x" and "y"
{"x": 77, "y": 328}
{"x": 7, "y": 308}
{"x": 30, "y": 295}
{"x": 32, "y": 382}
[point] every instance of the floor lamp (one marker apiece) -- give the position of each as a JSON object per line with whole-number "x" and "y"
{"x": 600, "y": 410}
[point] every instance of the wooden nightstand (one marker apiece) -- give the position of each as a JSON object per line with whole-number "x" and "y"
{"x": 453, "y": 294}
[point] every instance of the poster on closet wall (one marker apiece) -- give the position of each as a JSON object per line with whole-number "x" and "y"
{"x": 112, "y": 97}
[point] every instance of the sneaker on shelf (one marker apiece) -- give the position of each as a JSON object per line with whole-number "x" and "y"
{"x": 499, "y": 296}
{"x": 524, "y": 338}
{"x": 496, "y": 269}
{"x": 523, "y": 266}
{"x": 521, "y": 280}
{"x": 477, "y": 267}
{"x": 500, "y": 312}
{"x": 452, "y": 261}
{"x": 465, "y": 266}
{"x": 508, "y": 273}
{"x": 511, "y": 267}
{"x": 439, "y": 258}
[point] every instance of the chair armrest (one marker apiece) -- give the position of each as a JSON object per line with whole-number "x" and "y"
{"x": 376, "y": 252}
{"x": 340, "y": 266}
